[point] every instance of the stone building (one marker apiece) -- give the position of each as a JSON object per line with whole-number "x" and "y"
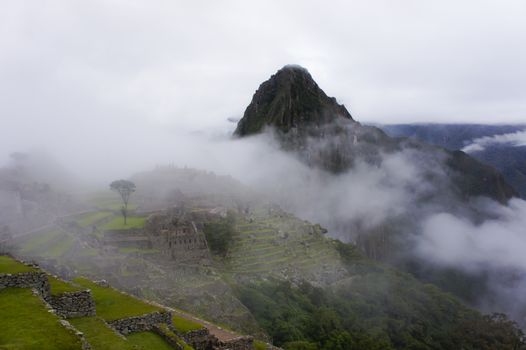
{"x": 176, "y": 235}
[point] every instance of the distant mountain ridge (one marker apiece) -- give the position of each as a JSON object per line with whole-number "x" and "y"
{"x": 510, "y": 160}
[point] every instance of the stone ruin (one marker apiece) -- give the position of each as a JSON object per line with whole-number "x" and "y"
{"x": 177, "y": 237}
{"x": 81, "y": 304}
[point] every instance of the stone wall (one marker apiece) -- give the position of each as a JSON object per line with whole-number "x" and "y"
{"x": 177, "y": 237}
{"x": 169, "y": 336}
{"x": 73, "y": 304}
{"x": 240, "y": 343}
{"x": 37, "y": 280}
{"x": 141, "y": 323}
{"x": 200, "y": 339}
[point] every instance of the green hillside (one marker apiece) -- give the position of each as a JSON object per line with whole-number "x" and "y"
{"x": 270, "y": 274}
{"x": 28, "y": 324}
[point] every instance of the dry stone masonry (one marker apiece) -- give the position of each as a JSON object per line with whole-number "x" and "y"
{"x": 141, "y": 323}
{"x": 177, "y": 237}
{"x": 36, "y": 280}
{"x": 73, "y": 304}
{"x": 81, "y": 304}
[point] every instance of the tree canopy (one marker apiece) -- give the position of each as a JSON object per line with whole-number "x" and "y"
{"x": 124, "y": 188}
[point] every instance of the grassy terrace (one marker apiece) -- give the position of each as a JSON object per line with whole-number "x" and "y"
{"x": 113, "y": 305}
{"x": 269, "y": 244}
{"x": 101, "y": 337}
{"x": 50, "y": 243}
{"x": 93, "y": 218}
{"x": 27, "y": 324}
{"x": 9, "y": 265}
{"x": 148, "y": 340}
{"x": 98, "y": 334}
{"x": 117, "y": 223}
{"x": 185, "y": 325}
{"x": 58, "y": 286}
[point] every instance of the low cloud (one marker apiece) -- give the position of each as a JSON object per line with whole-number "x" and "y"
{"x": 514, "y": 139}
{"x": 494, "y": 247}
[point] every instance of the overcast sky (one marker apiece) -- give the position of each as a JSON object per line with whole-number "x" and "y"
{"x": 78, "y": 70}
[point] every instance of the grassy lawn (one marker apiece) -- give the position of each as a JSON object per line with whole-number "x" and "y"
{"x": 92, "y": 218}
{"x": 148, "y": 340}
{"x": 9, "y": 265}
{"x": 117, "y": 223}
{"x": 184, "y": 325}
{"x": 27, "y": 324}
{"x": 112, "y": 304}
{"x": 99, "y": 335}
{"x": 58, "y": 286}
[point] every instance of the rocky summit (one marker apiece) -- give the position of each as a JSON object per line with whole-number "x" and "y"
{"x": 289, "y": 99}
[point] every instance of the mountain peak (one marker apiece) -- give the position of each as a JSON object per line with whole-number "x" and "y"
{"x": 289, "y": 99}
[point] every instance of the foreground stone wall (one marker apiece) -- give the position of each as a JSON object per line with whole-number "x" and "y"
{"x": 169, "y": 336}
{"x": 200, "y": 339}
{"x": 240, "y": 343}
{"x": 142, "y": 323}
{"x": 37, "y": 280}
{"x": 73, "y": 304}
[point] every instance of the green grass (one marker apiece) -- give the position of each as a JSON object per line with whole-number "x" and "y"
{"x": 51, "y": 244}
{"x": 59, "y": 247}
{"x": 92, "y": 218}
{"x": 10, "y": 265}
{"x": 184, "y": 325}
{"x": 37, "y": 240}
{"x": 112, "y": 304}
{"x": 99, "y": 335}
{"x": 168, "y": 332}
{"x": 27, "y": 324}
{"x": 259, "y": 345}
{"x": 117, "y": 223}
{"x": 148, "y": 340}
{"x": 58, "y": 286}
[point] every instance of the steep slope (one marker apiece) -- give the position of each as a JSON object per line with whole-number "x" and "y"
{"x": 302, "y": 288}
{"x": 323, "y": 133}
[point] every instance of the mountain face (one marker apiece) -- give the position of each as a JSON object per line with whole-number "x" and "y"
{"x": 324, "y": 135}
{"x": 289, "y": 99}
